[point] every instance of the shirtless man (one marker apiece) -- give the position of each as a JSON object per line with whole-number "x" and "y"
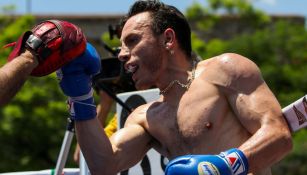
{"x": 216, "y": 116}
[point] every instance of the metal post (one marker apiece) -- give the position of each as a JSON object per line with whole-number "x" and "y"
{"x": 83, "y": 166}
{"x": 69, "y": 134}
{"x": 29, "y": 7}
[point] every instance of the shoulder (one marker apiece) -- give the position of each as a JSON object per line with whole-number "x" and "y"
{"x": 231, "y": 70}
{"x": 138, "y": 115}
{"x": 236, "y": 65}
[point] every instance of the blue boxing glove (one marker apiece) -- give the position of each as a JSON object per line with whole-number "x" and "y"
{"x": 75, "y": 82}
{"x": 231, "y": 162}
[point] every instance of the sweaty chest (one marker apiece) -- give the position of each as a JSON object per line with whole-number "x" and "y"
{"x": 184, "y": 128}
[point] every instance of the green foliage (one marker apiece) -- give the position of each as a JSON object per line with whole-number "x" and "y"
{"x": 16, "y": 27}
{"x": 294, "y": 164}
{"x": 8, "y": 9}
{"x": 110, "y": 42}
{"x": 198, "y": 45}
{"x": 196, "y": 12}
{"x": 275, "y": 50}
{"x": 249, "y": 16}
{"x": 239, "y": 7}
{"x": 32, "y": 126}
{"x": 11, "y": 31}
{"x": 231, "y": 6}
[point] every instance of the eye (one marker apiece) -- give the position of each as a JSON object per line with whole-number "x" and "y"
{"x": 131, "y": 40}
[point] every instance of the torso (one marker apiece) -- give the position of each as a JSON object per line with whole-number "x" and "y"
{"x": 202, "y": 122}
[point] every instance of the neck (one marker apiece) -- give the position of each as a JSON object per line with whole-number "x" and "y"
{"x": 182, "y": 82}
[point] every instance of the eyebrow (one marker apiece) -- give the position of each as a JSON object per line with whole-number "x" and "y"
{"x": 122, "y": 39}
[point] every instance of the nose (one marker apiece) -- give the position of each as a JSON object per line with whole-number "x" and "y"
{"x": 124, "y": 54}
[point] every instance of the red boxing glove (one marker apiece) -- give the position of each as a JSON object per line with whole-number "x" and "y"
{"x": 53, "y": 42}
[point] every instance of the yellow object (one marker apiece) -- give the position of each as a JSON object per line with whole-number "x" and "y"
{"x": 111, "y": 128}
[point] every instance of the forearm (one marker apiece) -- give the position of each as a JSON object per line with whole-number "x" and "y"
{"x": 14, "y": 74}
{"x": 266, "y": 147}
{"x": 109, "y": 157}
{"x": 96, "y": 147}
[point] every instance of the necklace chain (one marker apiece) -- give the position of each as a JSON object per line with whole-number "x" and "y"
{"x": 185, "y": 86}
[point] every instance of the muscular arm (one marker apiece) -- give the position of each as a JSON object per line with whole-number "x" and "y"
{"x": 14, "y": 74}
{"x": 103, "y": 109}
{"x": 258, "y": 111}
{"x": 124, "y": 149}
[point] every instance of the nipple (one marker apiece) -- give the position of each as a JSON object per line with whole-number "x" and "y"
{"x": 208, "y": 125}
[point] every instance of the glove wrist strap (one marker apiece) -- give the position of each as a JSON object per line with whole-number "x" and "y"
{"x": 82, "y": 97}
{"x": 236, "y": 160}
{"x": 82, "y": 107}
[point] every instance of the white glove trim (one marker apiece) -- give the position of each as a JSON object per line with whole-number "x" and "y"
{"x": 82, "y": 97}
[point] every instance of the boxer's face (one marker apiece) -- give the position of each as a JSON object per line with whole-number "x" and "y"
{"x": 141, "y": 50}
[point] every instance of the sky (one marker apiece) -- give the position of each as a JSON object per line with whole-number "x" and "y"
{"x": 100, "y": 7}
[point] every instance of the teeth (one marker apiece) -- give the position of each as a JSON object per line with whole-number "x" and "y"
{"x": 131, "y": 69}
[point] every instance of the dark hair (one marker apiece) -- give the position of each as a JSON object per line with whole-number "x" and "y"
{"x": 164, "y": 16}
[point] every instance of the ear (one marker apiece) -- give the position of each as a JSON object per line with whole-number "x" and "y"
{"x": 169, "y": 38}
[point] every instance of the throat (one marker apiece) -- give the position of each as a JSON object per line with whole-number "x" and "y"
{"x": 182, "y": 85}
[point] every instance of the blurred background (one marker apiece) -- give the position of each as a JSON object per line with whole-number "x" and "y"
{"x": 272, "y": 33}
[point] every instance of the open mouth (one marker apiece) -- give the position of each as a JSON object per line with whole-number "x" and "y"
{"x": 131, "y": 69}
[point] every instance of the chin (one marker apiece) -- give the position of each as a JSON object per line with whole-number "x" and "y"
{"x": 142, "y": 86}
